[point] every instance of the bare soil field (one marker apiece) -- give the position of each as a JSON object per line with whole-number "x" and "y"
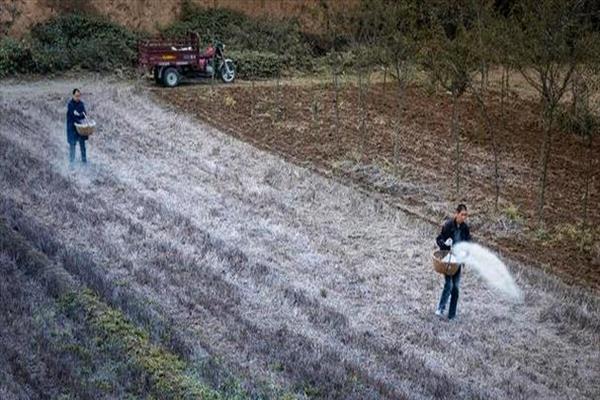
{"x": 298, "y": 123}
{"x": 245, "y": 265}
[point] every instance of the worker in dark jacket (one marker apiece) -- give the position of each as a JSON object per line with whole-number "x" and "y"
{"x": 455, "y": 230}
{"x": 75, "y": 114}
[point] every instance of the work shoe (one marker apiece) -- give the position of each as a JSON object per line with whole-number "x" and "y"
{"x": 439, "y": 312}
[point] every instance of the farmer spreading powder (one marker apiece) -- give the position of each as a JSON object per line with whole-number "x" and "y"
{"x": 454, "y": 230}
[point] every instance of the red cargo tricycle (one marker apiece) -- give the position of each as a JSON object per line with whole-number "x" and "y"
{"x": 172, "y": 60}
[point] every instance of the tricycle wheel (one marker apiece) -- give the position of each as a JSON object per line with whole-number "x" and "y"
{"x": 227, "y": 71}
{"x": 171, "y": 77}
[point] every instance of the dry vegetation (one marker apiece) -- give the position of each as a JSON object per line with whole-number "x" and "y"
{"x": 422, "y": 179}
{"x": 182, "y": 253}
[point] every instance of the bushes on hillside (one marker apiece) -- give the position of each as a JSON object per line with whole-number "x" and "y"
{"x": 261, "y": 48}
{"x": 69, "y": 41}
{"x": 14, "y": 57}
{"x": 256, "y": 64}
{"x": 81, "y": 41}
{"x": 240, "y": 32}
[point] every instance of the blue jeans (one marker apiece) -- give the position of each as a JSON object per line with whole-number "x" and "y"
{"x": 451, "y": 288}
{"x": 72, "y": 150}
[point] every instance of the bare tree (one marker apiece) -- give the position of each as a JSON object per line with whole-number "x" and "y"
{"x": 401, "y": 46}
{"x": 584, "y": 115}
{"x": 451, "y": 60}
{"x": 363, "y": 71}
{"x": 364, "y": 36}
{"x": 386, "y": 33}
{"x": 331, "y": 21}
{"x": 315, "y": 108}
{"x": 549, "y": 39}
{"x": 488, "y": 38}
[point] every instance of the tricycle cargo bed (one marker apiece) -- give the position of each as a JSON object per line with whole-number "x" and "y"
{"x": 171, "y": 60}
{"x": 168, "y": 52}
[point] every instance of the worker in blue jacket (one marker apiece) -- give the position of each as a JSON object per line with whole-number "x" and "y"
{"x": 75, "y": 114}
{"x": 455, "y": 230}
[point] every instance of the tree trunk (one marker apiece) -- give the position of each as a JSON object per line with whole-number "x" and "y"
{"x": 279, "y": 108}
{"x": 336, "y": 90}
{"x": 588, "y": 179}
{"x": 487, "y": 75}
{"x": 331, "y": 31}
{"x": 456, "y": 134}
{"x": 315, "y": 111}
{"x": 575, "y": 99}
{"x": 384, "y": 82}
{"x": 254, "y": 98}
{"x": 492, "y": 133}
{"x": 361, "y": 101}
{"x": 398, "y": 129}
{"x": 482, "y": 69}
{"x": 545, "y": 157}
{"x": 401, "y": 94}
{"x": 482, "y": 50}
{"x": 503, "y": 95}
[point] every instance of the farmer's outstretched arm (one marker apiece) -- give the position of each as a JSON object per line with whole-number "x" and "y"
{"x": 467, "y": 234}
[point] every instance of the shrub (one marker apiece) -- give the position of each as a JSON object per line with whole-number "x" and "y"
{"x": 15, "y": 57}
{"x": 513, "y": 213}
{"x": 262, "y": 47}
{"x": 79, "y": 40}
{"x": 209, "y": 23}
{"x": 255, "y": 64}
{"x": 280, "y": 41}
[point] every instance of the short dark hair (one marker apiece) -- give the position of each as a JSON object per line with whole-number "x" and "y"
{"x": 461, "y": 207}
{"x": 76, "y": 90}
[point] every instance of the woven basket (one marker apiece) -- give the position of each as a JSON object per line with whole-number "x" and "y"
{"x": 86, "y": 129}
{"x": 445, "y": 268}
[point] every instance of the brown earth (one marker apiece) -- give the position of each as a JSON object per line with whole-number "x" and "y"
{"x": 302, "y": 129}
{"x": 18, "y": 16}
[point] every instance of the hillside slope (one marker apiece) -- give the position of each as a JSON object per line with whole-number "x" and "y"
{"x": 289, "y": 278}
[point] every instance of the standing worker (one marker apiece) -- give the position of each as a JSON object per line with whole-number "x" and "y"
{"x": 455, "y": 230}
{"x": 75, "y": 114}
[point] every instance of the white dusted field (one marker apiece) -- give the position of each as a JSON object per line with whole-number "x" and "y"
{"x": 287, "y": 277}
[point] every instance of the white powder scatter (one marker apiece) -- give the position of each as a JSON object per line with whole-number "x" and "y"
{"x": 489, "y": 266}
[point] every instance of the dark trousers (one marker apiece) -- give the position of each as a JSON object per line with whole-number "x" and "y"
{"x": 451, "y": 289}
{"x": 72, "y": 150}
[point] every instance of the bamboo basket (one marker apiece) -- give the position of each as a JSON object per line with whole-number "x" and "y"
{"x": 446, "y": 268}
{"x": 87, "y": 128}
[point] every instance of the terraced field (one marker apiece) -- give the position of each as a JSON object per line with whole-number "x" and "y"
{"x": 183, "y": 263}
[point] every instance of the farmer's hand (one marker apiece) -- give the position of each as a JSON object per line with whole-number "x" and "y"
{"x": 448, "y": 242}
{"x": 76, "y": 113}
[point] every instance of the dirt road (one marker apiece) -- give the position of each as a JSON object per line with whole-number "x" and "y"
{"x": 291, "y": 280}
